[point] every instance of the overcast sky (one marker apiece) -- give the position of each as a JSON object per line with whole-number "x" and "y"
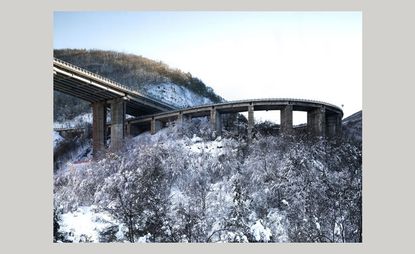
{"x": 241, "y": 55}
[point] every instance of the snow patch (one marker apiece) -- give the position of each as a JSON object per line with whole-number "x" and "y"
{"x": 212, "y": 147}
{"x": 176, "y": 95}
{"x": 144, "y": 239}
{"x": 277, "y": 222}
{"x": 84, "y": 224}
{"x": 260, "y": 232}
{"x": 79, "y": 120}
{"x": 56, "y": 139}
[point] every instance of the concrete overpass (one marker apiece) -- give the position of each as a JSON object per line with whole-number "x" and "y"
{"x": 323, "y": 119}
{"x": 104, "y": 93}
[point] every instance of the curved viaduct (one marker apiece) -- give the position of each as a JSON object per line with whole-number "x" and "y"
{"x": 323, "y": 119}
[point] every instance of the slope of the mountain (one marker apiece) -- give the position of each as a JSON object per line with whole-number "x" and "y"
{"x": 153, "y": 78}
{"x": 352, "y": 126}
{"x": 183, "y": 185}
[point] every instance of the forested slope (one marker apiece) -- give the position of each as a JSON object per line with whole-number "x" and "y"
{"x": 184, "y": 185}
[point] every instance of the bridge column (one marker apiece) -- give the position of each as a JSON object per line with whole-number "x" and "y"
{"x": 117, "y": 123}
{"x": 128, "y": 130}
{"x": 333, "y": 126}
{"x": 155, "y": 126}
{"x": 251, "y": 120}
{"x": 286, "y": 119}
{"x": 316, "y": 121}
{"x": 180, "y": 118}
{"x": 339, "y": 126}
{"x": 216, "y": 121}
{"x": 99, "y": 116}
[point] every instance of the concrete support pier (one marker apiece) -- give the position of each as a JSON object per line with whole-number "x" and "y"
{"x": 180, "y": 118}
{"x": 333, "y": 125}
{"x": 286, "y": 116}
{"x": 316, "y": 121}
{"x": 216, "y": 121}
{"x": 251, "y": 120}
{"x": 99, "y": 116}
{"x": 156, "y": 125}
{"x": 117, "y": 123}
{"x": 128, "y": 130}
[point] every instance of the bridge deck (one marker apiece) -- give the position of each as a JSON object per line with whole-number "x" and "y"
{"x": 242, "y": 106}
{"x": 88, "y": 86}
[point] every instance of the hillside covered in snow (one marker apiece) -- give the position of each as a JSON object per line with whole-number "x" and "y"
{"x": 155, "y": 79}
{"x": 184, "y": 184}
{"x": 352, "y": 126}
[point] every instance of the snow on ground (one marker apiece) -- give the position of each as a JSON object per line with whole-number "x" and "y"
{"x": 78, "y": 159}
{"x": 56, "y": 139}
{"x": 276, "y": 221}
{"x": 81, "y": 119}
{"x": 285, "y": 202}
{"x": 260, "y": 232}
{"x": 199, "y": 146}
{"x": 177, "y": 197}
{"x": 176, "y": 95}
{"x": 77, "y": 121}
{"x": 194, "y": 145}
{"x": 84, "y": 224}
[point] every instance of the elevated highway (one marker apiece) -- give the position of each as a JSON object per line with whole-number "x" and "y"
{"x": 323, "y": 119}
{"x": 73, "y": 80}
{"x": 104, "y": 93}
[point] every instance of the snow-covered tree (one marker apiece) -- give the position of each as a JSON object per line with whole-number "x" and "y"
{"x": 186, "y": 185}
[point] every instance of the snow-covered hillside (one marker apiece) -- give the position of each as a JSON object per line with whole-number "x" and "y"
{"x": 92, "y": 224}
{"x": 352, "y": 126}
{"x": 79, "y": 121}
{"x": 136, "y": 72}
{"x": 56, "y": 139}
{"x": 176, "y": 95}
{"x": 185, "y": 185}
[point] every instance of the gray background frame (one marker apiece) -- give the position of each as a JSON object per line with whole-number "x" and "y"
{"x": 26, "y": 125}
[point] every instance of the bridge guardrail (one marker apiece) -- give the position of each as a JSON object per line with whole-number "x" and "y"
{"x": 267, "y": 99}
{"x": 113, "y": 83}
{"x": 285, "y": 99}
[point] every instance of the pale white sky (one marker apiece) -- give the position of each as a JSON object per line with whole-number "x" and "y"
{"x": 241, "y": 55}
